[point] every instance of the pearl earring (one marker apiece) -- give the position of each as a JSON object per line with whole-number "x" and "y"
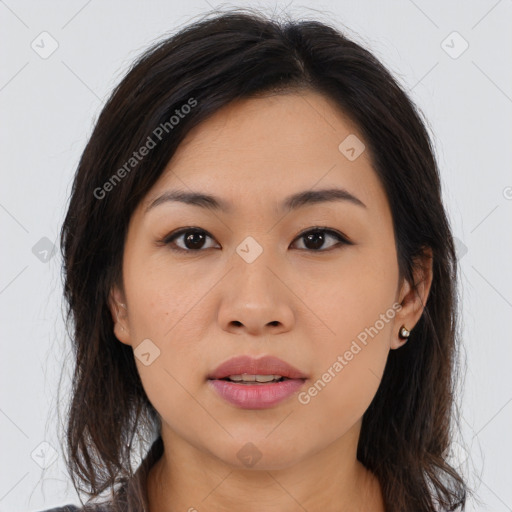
{"x": 404, "y": 333}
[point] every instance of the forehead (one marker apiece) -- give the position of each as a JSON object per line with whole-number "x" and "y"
{"x": 266, "y": 148}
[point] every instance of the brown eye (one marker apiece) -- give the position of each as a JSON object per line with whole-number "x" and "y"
{"x": 196, "y": 239}
{"x": 314, "y": 239}
{"x": 193, "y": 239}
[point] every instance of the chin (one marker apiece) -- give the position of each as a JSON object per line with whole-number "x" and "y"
{"x": 260, "y": 453}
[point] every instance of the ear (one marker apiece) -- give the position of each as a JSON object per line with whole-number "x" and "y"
{"x": 413, "y": 296}
{"x": 119, "y": 312}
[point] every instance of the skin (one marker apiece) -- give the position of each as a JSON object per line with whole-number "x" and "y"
{"x": 305, "y": 306}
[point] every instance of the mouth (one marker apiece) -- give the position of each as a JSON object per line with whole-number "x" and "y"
{"x": 250, "y": 383}
{"x": 254, "y": 380}
{"x": 249, "y": 369}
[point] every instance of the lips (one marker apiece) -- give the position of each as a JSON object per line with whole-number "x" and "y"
{"x": 267, "y": 365}
{"x": 256, "y": 395}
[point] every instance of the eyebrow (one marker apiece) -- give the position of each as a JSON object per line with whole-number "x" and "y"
{"x": 293, "y": 202}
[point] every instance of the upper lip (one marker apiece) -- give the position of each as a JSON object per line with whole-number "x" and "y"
{"x": 266, "y": 365}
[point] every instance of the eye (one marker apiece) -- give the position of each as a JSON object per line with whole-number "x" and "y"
{"x": 193, "y": 241}
{"x": 316, "y": 237}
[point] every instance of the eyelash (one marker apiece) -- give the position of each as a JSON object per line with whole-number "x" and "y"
{"x": 169, "y": 239}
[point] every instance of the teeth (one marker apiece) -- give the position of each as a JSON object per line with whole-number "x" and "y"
{"x": 253, "y": 378}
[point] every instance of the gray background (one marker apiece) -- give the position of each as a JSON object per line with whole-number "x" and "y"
{"x": 48, "y": 108}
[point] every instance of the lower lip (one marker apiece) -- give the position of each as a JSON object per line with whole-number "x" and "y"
{"x": 256, "y": 396}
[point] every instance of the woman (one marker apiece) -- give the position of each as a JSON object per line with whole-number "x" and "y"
{"x": 261, "y": 282}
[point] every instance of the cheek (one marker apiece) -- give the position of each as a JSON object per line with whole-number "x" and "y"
{"x": 353, "y": 293}
{"x": 164, "y": 298}
{"x": 162, "y": 321}
{"x": 343, "y": 390}
{"x": 348, "y": 365}
{"x": 357, "y": 308}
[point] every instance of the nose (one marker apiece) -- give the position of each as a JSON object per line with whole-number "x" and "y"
{"x": 255, "y": 300}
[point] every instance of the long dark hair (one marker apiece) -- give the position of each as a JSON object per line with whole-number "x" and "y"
{"x": 406, "y": 431}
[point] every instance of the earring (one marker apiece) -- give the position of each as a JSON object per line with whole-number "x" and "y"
{"x": 404, "y": 333}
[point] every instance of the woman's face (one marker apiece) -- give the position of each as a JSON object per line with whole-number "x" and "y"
{"x": 253, "y": 280}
